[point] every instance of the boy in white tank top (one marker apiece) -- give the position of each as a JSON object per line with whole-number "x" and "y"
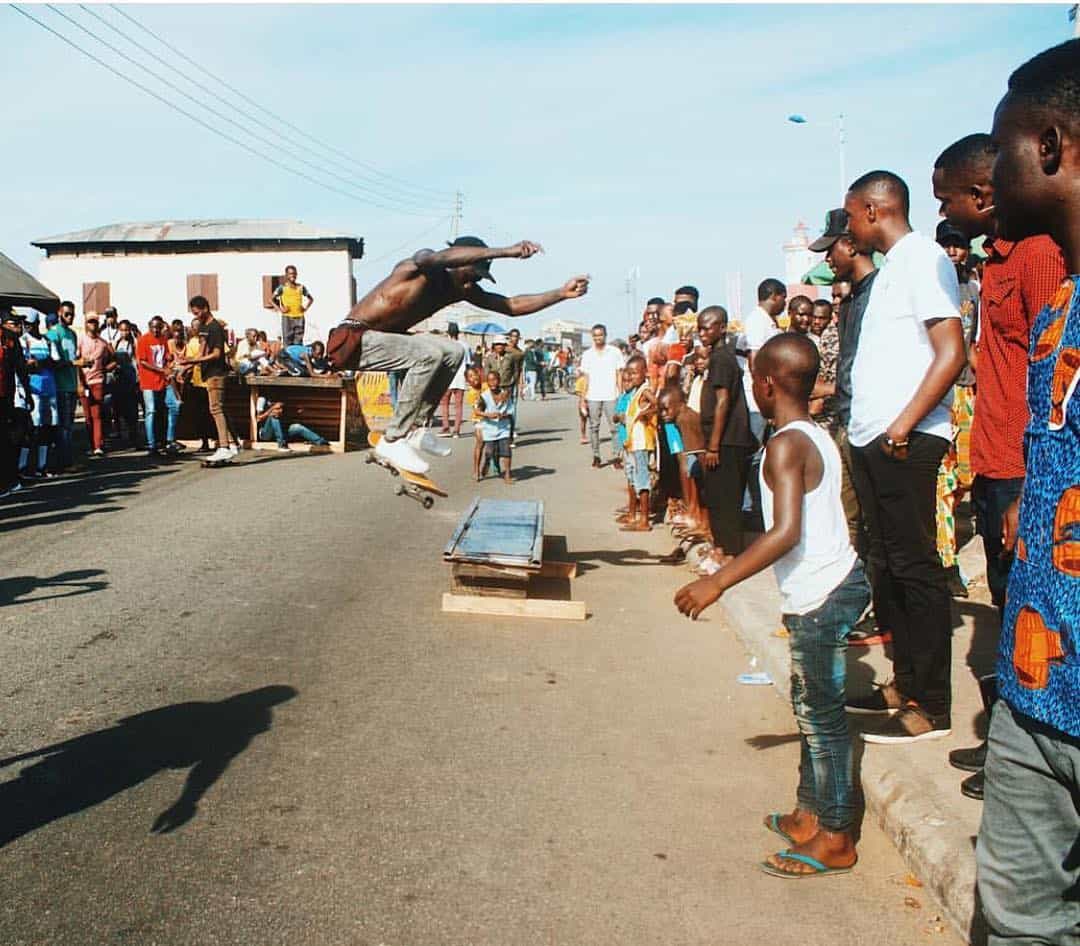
{"x": 824, "y": 592}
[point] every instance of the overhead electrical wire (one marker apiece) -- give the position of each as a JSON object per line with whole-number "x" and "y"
{"x": 375, "y": 188}
{"x": 376, "y": 199}
{"x": 397, "y": 182}
{"x": 205, "y": 124}
{"x": 410, "y": 242}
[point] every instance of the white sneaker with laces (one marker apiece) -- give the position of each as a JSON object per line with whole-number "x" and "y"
{"x": 222, "y": 453}
{"x": 424, "y": 439}
{"x": 401, "y": 454}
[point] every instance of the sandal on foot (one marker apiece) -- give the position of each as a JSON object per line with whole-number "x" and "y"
{"x": 675, "y": 557}
{"x": 817, "y": 868}
{"x": 773, "y": 824}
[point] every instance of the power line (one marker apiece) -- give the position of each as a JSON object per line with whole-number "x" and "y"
{"x": 195, "y": 118}
{"x": 410, "y": 242}
{"x": 364, "y": 184}
{"x": 278, "y": 118}
{"x": 224, "y": 117}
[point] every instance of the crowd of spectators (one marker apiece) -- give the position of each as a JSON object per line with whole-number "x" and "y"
{"x": 131, "y": 386}
{"x": 847, "y": 430}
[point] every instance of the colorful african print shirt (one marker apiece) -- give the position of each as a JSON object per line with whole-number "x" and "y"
{"x": 1038, "y": 663}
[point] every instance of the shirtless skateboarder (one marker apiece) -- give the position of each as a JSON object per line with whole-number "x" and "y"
{"x": 416, "y": 288}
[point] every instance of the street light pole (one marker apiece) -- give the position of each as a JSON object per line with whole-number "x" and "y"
{"x": 843, "y": 154}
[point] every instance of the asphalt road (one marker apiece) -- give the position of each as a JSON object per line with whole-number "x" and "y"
{"x": 261, "y": 729}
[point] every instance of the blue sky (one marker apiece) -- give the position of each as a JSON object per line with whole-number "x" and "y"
{"x": 617, "y": 136}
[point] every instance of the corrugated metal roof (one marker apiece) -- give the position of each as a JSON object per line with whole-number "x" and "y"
{"x": 168, "y": 231}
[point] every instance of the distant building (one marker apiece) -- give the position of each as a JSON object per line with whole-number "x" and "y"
{"x": 798, "y": 261}
{"x": 563, "y": 332}
{"x": 147, "y": 269}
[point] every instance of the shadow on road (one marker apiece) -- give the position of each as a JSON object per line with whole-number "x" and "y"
{"x": 73, "y": 498}
{"x": 67, "y": 585}
{"x": 522, "y": 473}
{"x": 771, "y": 740}
{"x": 79, "y": 773}
{"x": 587, "y": 560}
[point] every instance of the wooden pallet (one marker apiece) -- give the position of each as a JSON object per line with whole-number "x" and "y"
{"x": 503, "y": 565}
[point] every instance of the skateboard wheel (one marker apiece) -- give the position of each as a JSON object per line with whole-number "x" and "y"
{"x": 428, "y": 502}
{"x": 400, "y": 491}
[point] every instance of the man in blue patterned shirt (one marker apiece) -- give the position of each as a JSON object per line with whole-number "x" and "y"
{"x": 1029, "y": 841}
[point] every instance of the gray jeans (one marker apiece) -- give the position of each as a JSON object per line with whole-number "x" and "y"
{"x": 1028, "y": 854}
{"x": 429, "y": 362}
{"x": 596, "y": 409}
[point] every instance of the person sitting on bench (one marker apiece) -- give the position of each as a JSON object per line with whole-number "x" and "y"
{"x": 268, "y": 418}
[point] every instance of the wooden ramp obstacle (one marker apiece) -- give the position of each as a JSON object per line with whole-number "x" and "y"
{"x": 503, "y": 565}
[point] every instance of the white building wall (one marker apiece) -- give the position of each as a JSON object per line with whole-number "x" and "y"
{"x": 141, "y": 286}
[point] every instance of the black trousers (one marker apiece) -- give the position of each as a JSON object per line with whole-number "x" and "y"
{"x": 722, "y": 495}
{"x": 9, "y": 446}
{"x": 911, "y": 598}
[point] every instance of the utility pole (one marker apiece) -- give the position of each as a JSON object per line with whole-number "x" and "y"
{"x": 843, "y": 155}
{"x": 1074, "y": 19}
{"x": 455, "y": 220}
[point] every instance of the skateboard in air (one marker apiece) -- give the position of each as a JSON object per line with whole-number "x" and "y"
{"x": 415, "y": 486}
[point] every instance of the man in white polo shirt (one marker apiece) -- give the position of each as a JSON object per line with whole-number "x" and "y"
{"x": 911, "y": 349}
{"x": 601, "y": 365}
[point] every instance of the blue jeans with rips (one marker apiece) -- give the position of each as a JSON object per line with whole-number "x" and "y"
{"x": 818, "y": 671}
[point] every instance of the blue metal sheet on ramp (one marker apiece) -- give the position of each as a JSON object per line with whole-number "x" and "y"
{"x": 500, "y": 532}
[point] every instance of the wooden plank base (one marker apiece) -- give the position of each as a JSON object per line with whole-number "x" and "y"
{"x": 513, "y": 607}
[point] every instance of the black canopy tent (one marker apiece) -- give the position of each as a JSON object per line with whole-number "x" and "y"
{"x": 19, "y": 288}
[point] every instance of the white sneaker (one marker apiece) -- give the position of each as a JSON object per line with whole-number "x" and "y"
{"x": 424, "y": 439}
{"x": 401, "y": 454}
{"x": 234, "y": 450}
{"x": 222, "y": 453}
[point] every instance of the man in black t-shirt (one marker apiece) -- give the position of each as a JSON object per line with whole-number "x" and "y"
{"x": 725, "y": 421}
{"x": 212, "y": 365}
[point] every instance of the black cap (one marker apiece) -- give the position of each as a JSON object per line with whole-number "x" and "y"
{"x": 949, "y": 234}
{"x": 452, "y": 329}
{"x": 483, "y": 265}
{"x": 836, "y": 226}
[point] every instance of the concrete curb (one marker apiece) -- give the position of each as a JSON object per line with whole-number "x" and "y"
{"x": 910, "y": 811}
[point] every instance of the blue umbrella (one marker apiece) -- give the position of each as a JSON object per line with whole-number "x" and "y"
{"x": 484, "y": 328}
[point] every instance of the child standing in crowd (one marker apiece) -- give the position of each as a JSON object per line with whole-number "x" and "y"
{"x": 581, "y": 386}
{"x": 495, "y": 423}
{"x": 823, "y": 591}
{"x": 619, "y": 418}
{"x": 674, "y": 412}
{"x": 474, "y": 391}
{"x": 640, "y": 443}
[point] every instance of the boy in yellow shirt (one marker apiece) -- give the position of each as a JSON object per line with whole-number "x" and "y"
{"x": 640, "y": 443}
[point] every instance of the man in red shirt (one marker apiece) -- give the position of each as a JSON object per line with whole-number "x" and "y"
{"x": 152, "y": 356}
{"x": 1019, "y": 278}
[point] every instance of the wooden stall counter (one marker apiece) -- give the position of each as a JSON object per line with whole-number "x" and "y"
{"x": 327, "y": 404}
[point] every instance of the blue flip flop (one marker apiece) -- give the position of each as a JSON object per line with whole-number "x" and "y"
{"x": 818, "y": 869}
{"x": 773, "y": 824}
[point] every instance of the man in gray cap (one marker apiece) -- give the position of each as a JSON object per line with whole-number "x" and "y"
{"x": 375, "y": 336}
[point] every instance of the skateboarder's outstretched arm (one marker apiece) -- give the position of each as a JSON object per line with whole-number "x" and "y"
{"x": 526, "y": 305}
{"x": 429, "y": 260}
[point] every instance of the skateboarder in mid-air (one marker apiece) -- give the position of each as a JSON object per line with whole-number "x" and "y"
{"x": 416, "y": 288}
